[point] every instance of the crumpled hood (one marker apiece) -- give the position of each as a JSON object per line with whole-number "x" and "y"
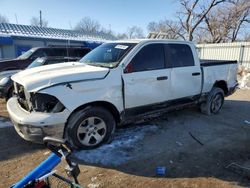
{"x": 35, "y": 79}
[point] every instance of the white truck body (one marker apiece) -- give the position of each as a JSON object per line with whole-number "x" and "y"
{"x": 122, "y": 92}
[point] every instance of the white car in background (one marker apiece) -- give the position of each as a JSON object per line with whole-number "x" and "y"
{"x": 116, "y": 83}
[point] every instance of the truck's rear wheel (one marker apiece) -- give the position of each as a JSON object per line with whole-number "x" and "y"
{"x": 90, "y": 127}
{"x": 214, "y": 102}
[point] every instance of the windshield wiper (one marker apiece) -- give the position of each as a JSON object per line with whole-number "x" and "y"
{"x": 105, "y": 65}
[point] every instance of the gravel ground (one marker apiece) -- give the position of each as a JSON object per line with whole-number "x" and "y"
{"x": 131, "y": 159}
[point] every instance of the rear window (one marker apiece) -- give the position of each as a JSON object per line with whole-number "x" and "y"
{"x": 179, "y": 55}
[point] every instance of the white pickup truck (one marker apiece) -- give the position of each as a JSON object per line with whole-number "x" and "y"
{"x": 117, "y": 83}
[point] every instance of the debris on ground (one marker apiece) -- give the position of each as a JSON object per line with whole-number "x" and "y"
{"x": 247, "y": 122}
{"x": 179, "y": 143}
{"x": 93, "y": 185}
{"x": 196, "y": 139}
{"x": 239, "y": 169}
{"x": 161, "y": 171}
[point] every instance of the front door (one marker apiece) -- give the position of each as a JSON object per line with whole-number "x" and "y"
{"x": 146, "y": 78}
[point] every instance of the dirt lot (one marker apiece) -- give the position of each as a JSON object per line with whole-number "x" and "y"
{"x": 131, "y": 159}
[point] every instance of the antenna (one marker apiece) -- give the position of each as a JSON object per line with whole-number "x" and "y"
{"x": 16, "y": 19}
{"x": 70, "y": 26}
{"x": 41, "y": 23}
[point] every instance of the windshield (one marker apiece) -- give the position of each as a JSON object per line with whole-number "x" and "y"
{"x": 107, "y": 55}
{"x": 36, "y": 63}
{"x": 26, "y": 55}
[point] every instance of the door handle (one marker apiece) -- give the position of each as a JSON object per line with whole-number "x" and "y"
{"x": 196, "y": 73}
{"x": 162, "y": 78}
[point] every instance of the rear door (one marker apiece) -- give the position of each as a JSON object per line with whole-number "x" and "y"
{"x": 147, "y": 78}
{"x": 185, "y": 75}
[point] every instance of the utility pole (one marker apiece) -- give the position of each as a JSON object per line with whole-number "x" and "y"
{"x": 41, "y": 23}
{"x": 16, "y": 19}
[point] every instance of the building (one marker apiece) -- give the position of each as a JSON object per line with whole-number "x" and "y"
{"x": 16, "y": 39}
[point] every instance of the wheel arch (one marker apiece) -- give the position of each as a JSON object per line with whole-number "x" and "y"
{"x": 222, "y": 84}
{"x": 107, "y": 105}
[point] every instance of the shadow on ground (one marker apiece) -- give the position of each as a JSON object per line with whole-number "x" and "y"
{"x": 170, "y": 142}
{"x": 187, "y": 143}
{"x": 12, "y": 145}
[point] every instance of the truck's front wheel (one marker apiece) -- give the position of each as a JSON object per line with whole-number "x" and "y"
{"x": 90, "y": 127}
{"x": 214, "y": 102}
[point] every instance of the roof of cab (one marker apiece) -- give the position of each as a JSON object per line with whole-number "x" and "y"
{"x": 137, "y": 41}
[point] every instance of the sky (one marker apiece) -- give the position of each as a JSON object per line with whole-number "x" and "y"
{"x": 115, "y": 14}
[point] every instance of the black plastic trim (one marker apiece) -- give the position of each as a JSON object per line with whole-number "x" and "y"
{"x": 131, "y": 112}
{"x": 206, "y": 63}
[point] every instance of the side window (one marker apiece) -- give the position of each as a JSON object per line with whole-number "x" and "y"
{"x": 179, "y": 55}
{"x": 71, "y": 52}
{"x": 150, "y": 57}
{"x": 59, "y": 52}
{"x": 38, "y": 53}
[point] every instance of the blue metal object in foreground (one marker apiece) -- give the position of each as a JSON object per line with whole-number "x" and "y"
{"x": 45, "y": 167}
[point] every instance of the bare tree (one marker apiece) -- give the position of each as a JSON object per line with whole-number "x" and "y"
{"x": 225, "y": 23}
{"x": 134, "y": 32}
{"x": 217, "y": 26}
{"x": 3, "y": 19}
{"x": 89, "y": 25}
{"x": 35, "y": 21}
{"x": 240, "y": 15}
{"x": 193, "y": 13}
{"x": 171, "y": 28}
{"x": 121, "y": 36}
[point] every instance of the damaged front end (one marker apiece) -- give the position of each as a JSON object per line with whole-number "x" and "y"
{"x": 37, "y": 102}
{"x": 41, "y": 102}
{"x": 36, "y": 115}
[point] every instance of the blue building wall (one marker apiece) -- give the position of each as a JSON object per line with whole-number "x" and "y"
{"x": 13, "y": 46}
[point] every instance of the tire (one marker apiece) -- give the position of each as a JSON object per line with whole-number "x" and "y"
{"x": 214, "y": 102}
{"x": 90, "y": 127}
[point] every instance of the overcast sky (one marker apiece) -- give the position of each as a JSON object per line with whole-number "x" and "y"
{"x": 117, "y": 14}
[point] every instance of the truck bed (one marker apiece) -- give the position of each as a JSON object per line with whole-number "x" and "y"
{"x": 210, "y": 62}
{"x": 218, "y": 70}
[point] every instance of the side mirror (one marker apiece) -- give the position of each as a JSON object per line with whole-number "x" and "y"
{"x": 129, "y": 68}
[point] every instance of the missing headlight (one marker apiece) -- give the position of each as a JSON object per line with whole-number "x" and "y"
{"x": 46, "y": 103}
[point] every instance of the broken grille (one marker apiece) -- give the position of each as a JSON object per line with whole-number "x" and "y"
{"x": 20, "y": 92}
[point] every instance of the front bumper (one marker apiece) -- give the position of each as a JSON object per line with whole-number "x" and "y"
{"x": 34, "y": 126}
